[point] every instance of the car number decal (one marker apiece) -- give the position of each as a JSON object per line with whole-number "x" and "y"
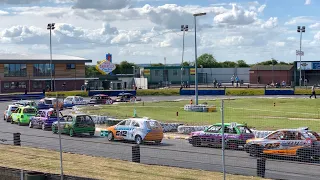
{"x": 121, "y": 133}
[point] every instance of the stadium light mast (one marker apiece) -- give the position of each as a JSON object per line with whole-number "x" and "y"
{"x": 300, "y": 29}
{"x": 184, "y": 28}
{"x": 51, "y": 27}
{"x": 195, "y": 53}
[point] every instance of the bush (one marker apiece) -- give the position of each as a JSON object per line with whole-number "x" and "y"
{"x": 304, "y": 91}
{"x": 244, "y": 92}
{"x": 158, "y": 92}
{"x": 67, "y": 93}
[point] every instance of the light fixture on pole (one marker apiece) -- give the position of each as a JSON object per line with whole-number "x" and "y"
{"x": 51, "y": 27}
{"x": 134, "y": 75}
{"x": 300, "y": 29}
{"x": 184, "y": 28}
{"x": 195, "y": 54}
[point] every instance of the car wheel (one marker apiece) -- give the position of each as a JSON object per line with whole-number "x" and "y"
{"x": 30, "y": 125}
{"x": 138, "y": 140}
{"x": 54, "y": 130}
{"x": 254, "y": 150}
{"x": 232, "y": 145}
{"x": 157, "y": 142}
{"x": 11, "y": 121}
{"x": 196, "y": 141}
{"x": 19, "y": 124}
{"x": 303, "y": 155}
{"x": 71, "y": 133}
{"x": 91, "y": 133}
{"x": 43, "y": 127}
{"x": 110, "y": 136}
{"x": 4, "y": 118}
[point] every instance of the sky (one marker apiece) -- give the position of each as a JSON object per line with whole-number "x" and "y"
{"x": 149, "y": 31}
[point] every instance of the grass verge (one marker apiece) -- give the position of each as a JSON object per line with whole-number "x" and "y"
{"x": 260, "y": 113}
{"x": 67, "y": 93}
{"x": 97, "y": 167}
{"x": 305, "y": 91}
{"x": 244, "y": 91}
{"x": 158, "y": 92}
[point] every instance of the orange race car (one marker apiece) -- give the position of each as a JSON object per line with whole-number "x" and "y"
{"x": 301, "y": 143}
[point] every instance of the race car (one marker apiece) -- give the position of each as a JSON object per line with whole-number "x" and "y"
{"x": 235, "y": 136}
{"x": 7, "y": 113}
{"x": 26, "y": 103}
{"x": 44, "y": 119}
{"x": 126, "y": 97}
{"x": 23, "y": 114}
{"x": 47, "y": 103}
{"x": 100, "y": 99}
{"x": 300, "y": 142}
{"x": 136, "y": 129}
{"x": 71, "y": 101}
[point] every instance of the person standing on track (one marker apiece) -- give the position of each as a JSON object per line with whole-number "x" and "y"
{"x": 313, "y": 92}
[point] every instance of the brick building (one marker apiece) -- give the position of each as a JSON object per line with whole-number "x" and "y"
{"x": 265, "y": 74}
{"x": 32, "y": 72}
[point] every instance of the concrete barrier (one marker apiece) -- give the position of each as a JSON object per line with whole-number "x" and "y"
{"x": 186, "y": 92}
{"x": 170, "y": 127}
{"x": 189, "y": 129}
{"x": 278, "y": 92}
{"x": 111, "y": 92}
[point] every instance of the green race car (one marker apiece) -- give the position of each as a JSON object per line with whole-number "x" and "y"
{"x": 22, "y": 115}
{"x": 75, "y": 124}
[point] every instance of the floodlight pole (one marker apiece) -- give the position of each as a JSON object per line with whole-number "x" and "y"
{"x": 51, "y": 27}
{"x": 300, "y": 30}
{"x": 195, "y": 54}
{"x": 184, "y": 28}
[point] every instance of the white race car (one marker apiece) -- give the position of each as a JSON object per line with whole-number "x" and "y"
{"x": 71, "y": 101}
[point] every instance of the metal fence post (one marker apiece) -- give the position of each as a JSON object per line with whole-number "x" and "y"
{"x": 16, "y": 139}
{"x": 261, "y": 167}
{"x": 223, "y": 140}
{"x": 136, "y": 154}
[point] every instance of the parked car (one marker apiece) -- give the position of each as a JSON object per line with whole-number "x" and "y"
{"x": 75, "y": 124}
{"x": 47, "y": 103}
{"x": 235, "y": 136}
{"x": 71, "y": 101}
{"x": 136, "y": 129}
{"x": 100, "y": 99}
{"x": 26, "y": 103}
{"x": 22, "y": 115}
{"x": 300, "y": 142}
{"x": 44, "y": 119}
{"x": 126, "y": 97}
{"x": 7, "y": 113}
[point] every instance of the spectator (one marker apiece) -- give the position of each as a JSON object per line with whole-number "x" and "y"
{"x": 305, "y": 82}
{"x": 214, "y": 83}
{"x": 283, "y": 84}
{"x": 313, "y": 92}
{"x": 259, "y": 79}
{"x": 237, "y": 80}
{"x": 232, "y": 80}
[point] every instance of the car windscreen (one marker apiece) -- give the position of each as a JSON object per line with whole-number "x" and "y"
{"x": 313, "y": 135}
{"x": 69, "y": 99}
{"x": 152, "y": 125}
{"x": 29, "y": 111}
{"x": 48, "y": 101}
{"x": 244, "y": 130}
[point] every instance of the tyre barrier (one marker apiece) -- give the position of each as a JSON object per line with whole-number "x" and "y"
{"x": 109, "y": 121}
{"x": 170, "y": 127}
{"x": 189, "y": 129}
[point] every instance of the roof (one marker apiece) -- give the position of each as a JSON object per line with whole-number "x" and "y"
{"x": 269, "y": 68}
{"x": 43, "y": 58}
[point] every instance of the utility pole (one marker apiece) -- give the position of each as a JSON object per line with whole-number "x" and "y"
{"x": 184, "y": 28}
{"x": 51, "y": 27}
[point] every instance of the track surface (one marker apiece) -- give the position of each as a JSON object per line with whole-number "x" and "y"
{"x": 170, "y": 152}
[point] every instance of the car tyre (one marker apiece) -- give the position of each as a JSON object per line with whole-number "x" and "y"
{"x": 91, "y": 134}
{"x": 232, "y": 145}
{"x": 110, "y": 136}
{"x": 157, "y": 142}
{"x": 11, "y": 121}
{"x": 196, "y": 141}
{"x": 19, "y": 124}
{"x": 43, "y": 127}
{"x": 30, "y": 125}
{"x": 4, "y": 118}
{"x": 255, "y": 150}
{"x": 138, "y": 140}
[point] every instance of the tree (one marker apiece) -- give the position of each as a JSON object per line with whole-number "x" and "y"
{"x": 228, "y": 64}
{"x": 126, "y": 68}
{"x": 185, "y": 63}
{"x": 157, "y": 65}
{"x": 242, "y": 63}
{"x": 268, "y": 62}
{"x": 207, "y": 61}
{"x": 91, "y": 71}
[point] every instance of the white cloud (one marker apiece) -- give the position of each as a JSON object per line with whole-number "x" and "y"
{"x": 315, "y": 26}
{"x": 307, "y": 2}
{"x": 300, "y": 19}
{"x": 3, "y": 12}
{"x": 317, "y": 36}
{"x": 102, "y": 4}
{"x": 270, "y": 23}
{"x": 261, "y": 8}
{"x": 19, "y": 1}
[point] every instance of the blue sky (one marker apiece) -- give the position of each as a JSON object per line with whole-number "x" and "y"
{"x": 144, "y": 31}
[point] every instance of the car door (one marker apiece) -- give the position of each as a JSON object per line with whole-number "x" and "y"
{"x": 122, "y": 129}
{"x": 16, "y": 114}
{"x": 132, "y": 130}
{"x": 79, "y": 124}
{"x": 212, "y": 136}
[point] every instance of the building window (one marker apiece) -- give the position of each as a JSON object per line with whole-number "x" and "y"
{"x": 37, "y": 85}
{"x": 157, "y": 72}
{"x": 175, "y": 72}
{"x": 15, "y": 85}
{"x": 15, "y": 70}
{"x": 42, "y": 70}
{"x": 71, "y": 66}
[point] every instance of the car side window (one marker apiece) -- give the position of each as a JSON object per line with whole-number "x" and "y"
{"x": 135, "y": 124}
{"x": 122, "y": 123}
{"x": 128, "y": 122}
{"x": 214, "y": 129}
{"x": 19, "y": 110}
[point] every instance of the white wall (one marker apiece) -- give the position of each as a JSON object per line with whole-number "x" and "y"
{"x": 141, "y": 83}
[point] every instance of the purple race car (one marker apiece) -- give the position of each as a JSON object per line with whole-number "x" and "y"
{"x": 44, "y": 119}
{"x": 235, "y": 136}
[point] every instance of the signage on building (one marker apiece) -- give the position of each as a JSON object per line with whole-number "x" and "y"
{"x": 315, "y": 66}
{"x": 109, "y": 57}
{"x": 192, "y": 71}
{"x": 105, "y": 67}
{"x": 305, "y": 65}
{"x": 146, "y": 72}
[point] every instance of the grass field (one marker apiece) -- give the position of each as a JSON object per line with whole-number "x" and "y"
{"x": 97, "y": 167}
{"x": 259, "y": 113}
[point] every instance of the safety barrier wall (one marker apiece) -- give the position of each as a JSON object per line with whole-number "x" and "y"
{"x": 112, "y": 93}
{"x": 11, "y": 97}
{"x": 202, "y": 92}
{"x": 278, "y": 92}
